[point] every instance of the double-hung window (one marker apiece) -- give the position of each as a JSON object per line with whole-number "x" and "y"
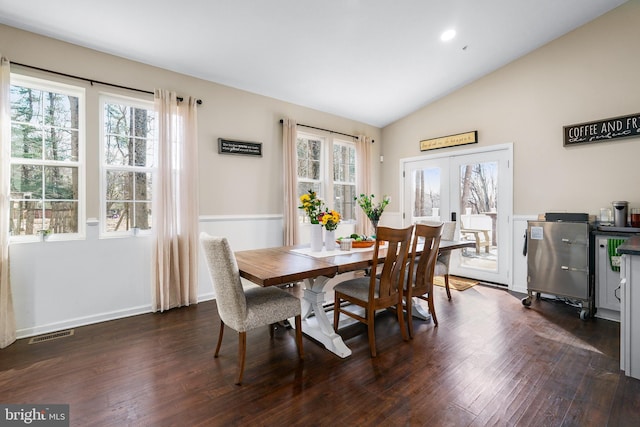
{"x": 47, "y": 170}
{"x": 327, "y": 165}
{"x": 129, "y": 141}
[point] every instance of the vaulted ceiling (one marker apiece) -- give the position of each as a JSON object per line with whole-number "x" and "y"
{"x": 373, "y": 61}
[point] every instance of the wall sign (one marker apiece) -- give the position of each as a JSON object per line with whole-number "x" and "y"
{"x": 226, "y": 146}
{"x": 603, "y": 130}
{"x": 449, "y": 141}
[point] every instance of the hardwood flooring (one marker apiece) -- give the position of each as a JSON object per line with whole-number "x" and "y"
{"x": 491, "y": 361}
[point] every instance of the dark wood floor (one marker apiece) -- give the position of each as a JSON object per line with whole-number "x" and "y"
{"x": 490, "y": 362}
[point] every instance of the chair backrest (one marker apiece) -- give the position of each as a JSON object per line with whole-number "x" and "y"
{"x": 223, "y": 269}
{"x": 398, "y": 242}
{"x": 429, "y": 237}
{"x": 448, "y": 230}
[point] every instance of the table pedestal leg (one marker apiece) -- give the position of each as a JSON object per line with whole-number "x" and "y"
{"x": 319, "y": 326}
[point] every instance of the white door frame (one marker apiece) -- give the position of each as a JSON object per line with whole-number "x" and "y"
{"x": 506, "y": 198}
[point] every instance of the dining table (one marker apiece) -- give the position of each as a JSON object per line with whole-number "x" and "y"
{"x": 294, "y": 264}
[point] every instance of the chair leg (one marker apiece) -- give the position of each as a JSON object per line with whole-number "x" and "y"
{"x": 409, "y": 317}
{"x": 299, "y": 336}
{"x": 272, "y": 328}
{"x": 403, "y": 328}
{"x": 242, "y": 351}
{"x": 219, "y": 338}
{"x": 371, "y": 331}
{"x": 446, "y": 285}
{"x": 432, "y": 308}
{"x": 336, "y": 313}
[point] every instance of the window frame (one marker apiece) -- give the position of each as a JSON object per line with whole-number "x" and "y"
{"x": 326, "y": 181}
{"x": 49, "y": 85}
{"x": 105, "y": 98}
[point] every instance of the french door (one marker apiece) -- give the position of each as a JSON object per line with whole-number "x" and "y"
{"x": 474, "y": 188}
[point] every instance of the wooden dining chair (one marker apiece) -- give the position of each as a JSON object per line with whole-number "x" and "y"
{"x": 243, "y": 309}
{"x": 376, "y": 292}
{"x": 442, "y": 262}
{"x": 419, "y": 281}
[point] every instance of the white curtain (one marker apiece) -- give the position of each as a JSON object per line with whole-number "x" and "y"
{"x": 175, "y": 213}
{"x": 7, "y": 315}
{"x": 290, "y": 164}
{"x": 363, "y": 181}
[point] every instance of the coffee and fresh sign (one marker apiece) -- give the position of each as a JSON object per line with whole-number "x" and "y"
{"x": 602, "y": 130}
{"x": 226, "y": 146}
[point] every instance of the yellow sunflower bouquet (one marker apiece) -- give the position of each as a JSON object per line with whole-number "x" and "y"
{"x": 330, "y": 219}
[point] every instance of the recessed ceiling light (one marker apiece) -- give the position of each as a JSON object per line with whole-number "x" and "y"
{"x": 448, "y": 35}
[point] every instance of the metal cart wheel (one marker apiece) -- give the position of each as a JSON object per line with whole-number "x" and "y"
{"x": 526, "y": 301}
{"x": 584, "y": 314}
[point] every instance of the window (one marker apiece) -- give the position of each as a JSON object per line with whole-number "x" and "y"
{"x": 47, "y": 145}
{"x": 128, "y": 164}
{"x": 327, "y": 166}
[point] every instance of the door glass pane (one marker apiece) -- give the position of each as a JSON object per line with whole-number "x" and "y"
{"x": 478, "y": 214}
{"x": 426, "y": 194}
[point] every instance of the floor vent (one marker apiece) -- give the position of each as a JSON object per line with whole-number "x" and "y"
{"x": 51, "y": 336}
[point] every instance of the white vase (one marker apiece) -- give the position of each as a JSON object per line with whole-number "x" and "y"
{"x": 330, "y": 240}
{"x": 316, "y": 237}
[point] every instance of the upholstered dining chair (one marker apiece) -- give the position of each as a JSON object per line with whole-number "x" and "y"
{"x": 419, "y": 283}
{"x": 442, "y": 262}
{"x": 376, "y": 292}
{"x": 243, "y": 309}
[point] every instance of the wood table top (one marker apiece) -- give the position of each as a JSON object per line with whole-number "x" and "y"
{"x": 281, "y": 265}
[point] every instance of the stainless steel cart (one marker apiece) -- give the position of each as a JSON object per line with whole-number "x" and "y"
{"x": 559, "y": 262}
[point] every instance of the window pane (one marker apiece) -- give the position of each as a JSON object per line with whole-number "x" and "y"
{"x": 119, "y": 185}
{"x": 61, "y": 145}
{"x": 309, "y": 156}
{"x": 343, "y": 202}
{"x": 61, "y": 183}
{"x": 143, "y": 152}
{"x": 303, "y": 188}
{"x": 26, "y": 105}
{"x": 60, "y": 110}
{"x": 44, "y": 130}
{"x": 122, "y": 216}
{"x": 117, "y": 150}
{"x": 129, "y": 140}
{"x": 26, "y": 141}
{"x": 61, "y": 217}
{"x": 142, "y": 215}
{"x": 344, "y": 166}
{"x": 142, "y": 186}
{"x": 25, "y": 217}
{"x": 26, "y": 182}
{"x": 117, "y": 216}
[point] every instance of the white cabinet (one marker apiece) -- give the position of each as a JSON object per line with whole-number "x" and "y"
{"x": 607, "y": 283}
{"x": 630, "y": 315}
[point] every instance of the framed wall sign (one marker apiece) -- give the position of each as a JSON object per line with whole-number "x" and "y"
{"x": 602, "y": 130}
{"x": 226, "y": 146}
{"x": 449, "y": 141}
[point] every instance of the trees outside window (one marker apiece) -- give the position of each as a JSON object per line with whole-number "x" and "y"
{"x": 327, "y": 166}
{"x": 128, "y": 164}
{"x": 46, "y": 157}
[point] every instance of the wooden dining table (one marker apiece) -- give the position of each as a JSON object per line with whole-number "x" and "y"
{"x": 292, "y": 264}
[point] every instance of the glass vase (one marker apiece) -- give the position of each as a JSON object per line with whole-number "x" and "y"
{"x": 316, "y": 237}
{"x": 330, "y": 240}
{"x": 374, "y": 224}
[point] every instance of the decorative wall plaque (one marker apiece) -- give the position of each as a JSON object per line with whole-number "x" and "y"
{"x": 602, "y": 130}
{"x": 226, "y": 146}
{"x": 449, "y": 141}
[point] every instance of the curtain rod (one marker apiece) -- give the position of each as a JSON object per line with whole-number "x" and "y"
{"x": 326, "y": 130}
{"x": 92, "y": 81}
